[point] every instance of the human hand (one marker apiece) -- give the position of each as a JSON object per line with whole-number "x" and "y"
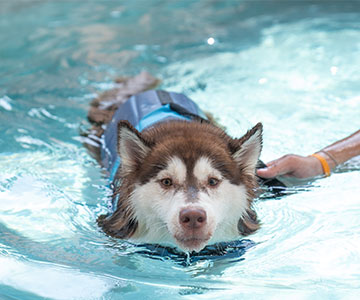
{"x": 293, "y": 166}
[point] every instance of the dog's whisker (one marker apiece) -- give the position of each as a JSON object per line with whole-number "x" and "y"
{"x": 177, "y": 177}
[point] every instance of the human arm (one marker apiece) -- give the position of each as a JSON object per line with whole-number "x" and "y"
{"x": 309, "y": 166}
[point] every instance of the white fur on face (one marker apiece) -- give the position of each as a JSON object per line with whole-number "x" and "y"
{"x": 225, "y": 204}
{"x": 203, "y": 169}
{"x": 154, "y": 206}
{"x": 157, "y": 209}
{"x": 176, "y": 170}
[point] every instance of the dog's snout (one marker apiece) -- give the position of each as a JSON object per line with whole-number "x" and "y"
{"x": 192, "y": 218}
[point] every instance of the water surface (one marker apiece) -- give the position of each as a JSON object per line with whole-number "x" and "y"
{"x": 292, "y": 65}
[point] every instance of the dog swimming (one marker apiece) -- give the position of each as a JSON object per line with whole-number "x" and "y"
{"x": 178, "y": 178}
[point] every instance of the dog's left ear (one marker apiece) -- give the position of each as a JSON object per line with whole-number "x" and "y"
{"x": 132, "y": 147}
{"x": 246, "y": 150}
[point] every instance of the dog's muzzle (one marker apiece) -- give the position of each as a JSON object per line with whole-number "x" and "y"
{"x": 193, "y": 234}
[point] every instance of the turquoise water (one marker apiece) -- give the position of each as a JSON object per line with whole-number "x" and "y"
{"x": 292, "y": 65}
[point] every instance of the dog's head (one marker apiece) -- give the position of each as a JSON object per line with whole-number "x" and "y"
{"x": 184, "y": 183}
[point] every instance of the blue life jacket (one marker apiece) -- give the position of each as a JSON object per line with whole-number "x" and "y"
{"x": 142, "y": 111}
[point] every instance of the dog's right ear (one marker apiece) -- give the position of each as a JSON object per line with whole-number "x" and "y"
{"x": 132, "y": 147}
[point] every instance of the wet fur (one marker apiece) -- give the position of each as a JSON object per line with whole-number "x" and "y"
{"x": 144, "y": 155}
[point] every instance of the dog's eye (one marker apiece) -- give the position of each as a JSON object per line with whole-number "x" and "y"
{"x": 166, "y": 182}
{"x": 213, "y": 181}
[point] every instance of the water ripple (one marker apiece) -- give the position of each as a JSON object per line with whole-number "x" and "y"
{"x": 291, "y": 64}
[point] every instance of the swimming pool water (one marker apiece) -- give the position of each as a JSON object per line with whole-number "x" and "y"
{"x": 293, "y": 65}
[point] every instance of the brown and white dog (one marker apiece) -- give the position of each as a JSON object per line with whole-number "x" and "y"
{"x": 181, "y": 183}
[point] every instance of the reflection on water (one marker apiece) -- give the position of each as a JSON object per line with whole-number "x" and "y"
{"x": 291, "y": 65}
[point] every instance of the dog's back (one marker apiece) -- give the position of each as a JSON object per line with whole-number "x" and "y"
{"x": 103, "y": 107}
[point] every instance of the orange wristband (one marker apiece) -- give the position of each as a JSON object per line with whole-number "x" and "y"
{"x": 324, "y": 163}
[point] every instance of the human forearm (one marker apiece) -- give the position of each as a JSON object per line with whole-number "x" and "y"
{"x": 342, "y": 150}
{"x": 309, "y": 166}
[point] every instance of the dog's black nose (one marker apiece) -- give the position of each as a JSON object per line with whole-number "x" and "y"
{"x": 192, "y": 218}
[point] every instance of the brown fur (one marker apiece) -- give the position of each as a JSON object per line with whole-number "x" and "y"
{"x": 187, "y": 140}
{"x": 121, "y": 224}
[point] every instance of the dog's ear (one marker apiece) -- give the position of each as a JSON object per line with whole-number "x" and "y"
{"x": 119, "y": 225}
{"x": 249, "y": 223}
{"x": 246, "y": 150}
{"x": 132, "y": 147}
